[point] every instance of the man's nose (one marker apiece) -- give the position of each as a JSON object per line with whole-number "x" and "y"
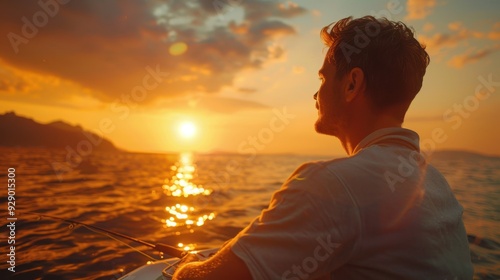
{"x": 316, "y": 96}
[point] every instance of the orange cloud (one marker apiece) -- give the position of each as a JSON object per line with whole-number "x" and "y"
{"x": 225, "y": 105}
{"x": 30, "y": 87}
{"x": 470, "y": 56}
{"x": 316, "y": 13}
{"x": 298, "y": 69}
{"x": 495, "y": 33}
{"x": 438, "y": 41}
{"x": 428, "y": 27}
{"x": 419, "y": 9}
{"x": 458, "y": 33}
{"x": 246, "y": 90}
{"x": 110, "y": 47}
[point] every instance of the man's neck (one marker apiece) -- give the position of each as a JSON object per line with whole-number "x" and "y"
{"x": 358, "y": 130}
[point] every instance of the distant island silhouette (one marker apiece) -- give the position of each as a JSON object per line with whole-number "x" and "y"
{"x": 18, "y": 131}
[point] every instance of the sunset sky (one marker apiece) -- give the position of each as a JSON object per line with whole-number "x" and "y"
{"x": 236, "y": 75}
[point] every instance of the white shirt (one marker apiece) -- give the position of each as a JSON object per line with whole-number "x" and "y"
{"x": 382, "y": 213}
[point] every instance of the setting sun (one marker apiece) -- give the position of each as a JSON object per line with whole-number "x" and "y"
{"x": 187, "y": 130}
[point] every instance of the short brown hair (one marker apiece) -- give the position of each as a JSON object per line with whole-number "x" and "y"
{"x": 392, "y": 60}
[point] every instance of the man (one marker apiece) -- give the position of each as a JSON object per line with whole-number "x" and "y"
{"x": 382, "y": 212}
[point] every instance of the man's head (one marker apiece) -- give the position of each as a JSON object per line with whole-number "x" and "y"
{"x": 376, "y": 60}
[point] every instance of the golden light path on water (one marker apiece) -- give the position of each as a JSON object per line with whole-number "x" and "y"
{"x": 181, "y": 187}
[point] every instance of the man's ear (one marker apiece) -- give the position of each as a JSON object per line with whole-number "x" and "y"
{"x": 355, "y": 84}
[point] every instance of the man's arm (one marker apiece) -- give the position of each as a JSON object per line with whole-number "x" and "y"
{"x": 223, "y": 265}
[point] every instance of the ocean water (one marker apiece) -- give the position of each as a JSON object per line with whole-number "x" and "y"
{"x": 186, "y": 200}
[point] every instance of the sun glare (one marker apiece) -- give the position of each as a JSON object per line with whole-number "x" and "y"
{"x": 187, "y": 130}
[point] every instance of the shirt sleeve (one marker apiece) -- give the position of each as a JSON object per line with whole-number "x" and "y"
{"x": 308, "y": 230}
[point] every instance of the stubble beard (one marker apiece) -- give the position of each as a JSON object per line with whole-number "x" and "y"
{"x": 326, "y": 128}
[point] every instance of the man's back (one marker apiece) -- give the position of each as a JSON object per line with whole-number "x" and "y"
{"x": 382, "y": 213}
{"x": 411, "y": 223}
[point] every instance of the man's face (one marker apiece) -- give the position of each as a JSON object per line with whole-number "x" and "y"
{"x": 329, "y": 101}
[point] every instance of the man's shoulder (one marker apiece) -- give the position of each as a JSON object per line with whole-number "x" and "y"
{"x": 322, "y": 184}
{"x": 315, "y": 175}
{"x": 330, "y": 166}
{"x": 314, "y": 168}
{"x": 366, "y": 166}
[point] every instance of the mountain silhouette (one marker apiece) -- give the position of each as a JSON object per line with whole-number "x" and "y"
{"x": 17, "y": 131}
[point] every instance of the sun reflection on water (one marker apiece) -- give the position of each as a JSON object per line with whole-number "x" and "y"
{"x": 180, "y": 186}
{"x": 186, "y": 247}
{"x": 181, "y": 215}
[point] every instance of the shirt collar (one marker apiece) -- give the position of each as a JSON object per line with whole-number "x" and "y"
{"x": 390, "y": 135}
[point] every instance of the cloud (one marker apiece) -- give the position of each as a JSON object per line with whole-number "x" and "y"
{"x": 440, "y": 44}
{"x": 247, "y": 90}
{"x": 106, "y": 46}
{"x": 316, "y": 13}
{"x": 266, "y": 29}
{"x": 439, "y": 41}
{"x": 227, "y": 105}
{"x": 224, "y": 105}
{"x": 24, "y": 83}
{"x": 428, "y": 27}
{"x": 495, "y": 33}
{"x": 16, "y": 86}
{"x": 298, "y": 69}
{"x": 257, "y": 10}
{"x": 419, "y": 9}
{"x": 471, "y": 56}
{"x": 458, "y": 33}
